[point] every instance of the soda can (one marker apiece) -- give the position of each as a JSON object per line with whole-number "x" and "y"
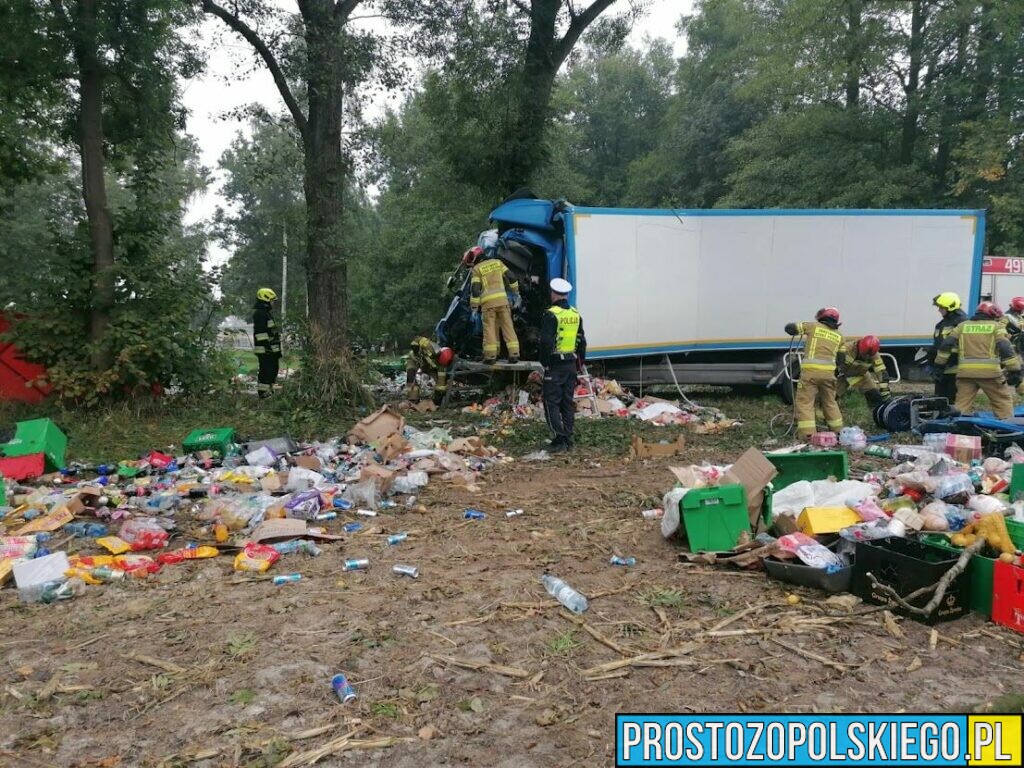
{"x": 386, "y": 504}
{"x": 287, "y": 579}
{"x": 342, "y": 504}
{"x": 474, "y": 514}
{"x": 326, "y": 516}
{"x": 356, "y": 565}
{"x": 352, "y": 527}
{"x": 514, "y": 513}
{"x": 626, "y": 561}
{"x": 397, "y": 538}
{"x": 366, "y": 512}
{"x": 406, "y": 570}
{"x": 343, "y": 688}
{"x": 653, "y": 514}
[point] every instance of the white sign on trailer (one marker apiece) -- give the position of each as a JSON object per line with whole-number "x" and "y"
{"x": 651, "y": 282}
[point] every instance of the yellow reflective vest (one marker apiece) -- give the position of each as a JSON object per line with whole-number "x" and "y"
{"x": 820, "y": 351}
{"x": 491, "y": 283}
{"x": 983, "y": 349}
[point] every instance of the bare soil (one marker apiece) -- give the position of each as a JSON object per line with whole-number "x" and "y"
{"x": 202, "y": 666}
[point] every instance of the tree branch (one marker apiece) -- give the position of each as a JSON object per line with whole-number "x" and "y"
{"x": 268, "y": 57}
{"x": 343, "y": 9}
{"x": 579, "y": 24}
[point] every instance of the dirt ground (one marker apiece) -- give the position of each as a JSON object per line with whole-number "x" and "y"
{"x": 200, "y": 666}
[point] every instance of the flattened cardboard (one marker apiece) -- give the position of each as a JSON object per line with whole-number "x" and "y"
{"x": 287, "y": 528}
{"x": 753, "y": 471}
{"x": 638, "y": 449}
{"x": 687, "y": 477}
{"x": 309, "y": 462}
{"x": 377, "y": 426}
{"x": 392, "y": 446}
{"x": 51, "y": 522}
{"x": 383, "y": 476}
{"x": 274, "y": 482}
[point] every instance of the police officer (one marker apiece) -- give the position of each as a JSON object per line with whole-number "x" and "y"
{"x": 948, "y": 305}
{"x": 266, "y": 341}
{"x": 862, "y": 369}
{"x": 818, "y": 371}
{"x": 433, "y": 359}
{"x": 983, "y": 354}
{"x": 563, "y": 350}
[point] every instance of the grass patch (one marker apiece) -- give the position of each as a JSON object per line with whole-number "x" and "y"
{"x": 241, "y": 645}
{"x": 563, "y": 644}
{"x": 243, "y": 697}
{"x": 662, "y": 598}
{"x": 385, "y": 709}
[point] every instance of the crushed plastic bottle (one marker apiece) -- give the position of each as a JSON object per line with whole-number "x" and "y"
{"x": 297, "y": 545}
{"x": 564, "y": 594}
{"x": 853, "y": 438}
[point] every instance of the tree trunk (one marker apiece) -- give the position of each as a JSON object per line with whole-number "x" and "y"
{"x": 910, "y": 129}
{"x": 981, "y": 83}
{"x": 532, "y": 98}
{"x": 94, "y": 191}
{"x": 854, "y": 9}
{"x": 947, "y": 124}
{"x": 326, "y": 173}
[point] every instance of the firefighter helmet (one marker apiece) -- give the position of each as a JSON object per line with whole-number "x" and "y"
{"x": 472, "y": 256}
{"x": 868, "y": 346}
{"x": 989, "y": 309}
{"x": 1017, "y": 304}
{"x": 948, "y": 301}
{"x": 445, "y": 356}
{"x": 828, "y": 315}
{"x": 266, "y": 294}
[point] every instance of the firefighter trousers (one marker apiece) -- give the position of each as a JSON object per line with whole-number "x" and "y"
{"x": 267, "y": 375}
{"x": 808, "y": 393}
{"x": 497, "y": 326}
{"x": 998, "y": 392}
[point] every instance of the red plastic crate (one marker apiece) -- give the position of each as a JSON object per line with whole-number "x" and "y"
{"x": 22, "y": 467}
{"x": 1008, "y": 596}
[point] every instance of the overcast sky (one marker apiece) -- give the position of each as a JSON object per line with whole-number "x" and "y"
{"x": 231, "y": 81}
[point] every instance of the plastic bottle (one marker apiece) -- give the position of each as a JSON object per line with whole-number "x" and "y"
{"x": 564, "y": 594}
{"x": 514, "y": 513}
{"x": 853, "y": 438}
{"x": 297, "y": 545}
{"x": 878, "y": 450}
{"x": 85, "y": 530}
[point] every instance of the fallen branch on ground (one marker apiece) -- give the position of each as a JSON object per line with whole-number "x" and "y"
{"x": 937, "y": 590}
{"x": 498, "y": 669}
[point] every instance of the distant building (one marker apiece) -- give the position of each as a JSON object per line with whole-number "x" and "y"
{"x": 234, "y": 333}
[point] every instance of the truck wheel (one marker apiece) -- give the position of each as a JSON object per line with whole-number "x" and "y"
{"x": 786, "y": 386}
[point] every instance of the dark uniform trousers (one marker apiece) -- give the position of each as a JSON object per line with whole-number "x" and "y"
{"x": 267, "y": 374}
{"x": 559, "y": 399}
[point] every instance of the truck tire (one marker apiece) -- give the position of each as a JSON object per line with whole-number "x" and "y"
{"x": 786, "y": 386}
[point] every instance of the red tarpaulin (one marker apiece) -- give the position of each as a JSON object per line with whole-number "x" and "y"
{"x": 15, "y": 373}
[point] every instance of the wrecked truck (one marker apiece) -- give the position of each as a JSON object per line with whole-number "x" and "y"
{"x": 695, "y": 296}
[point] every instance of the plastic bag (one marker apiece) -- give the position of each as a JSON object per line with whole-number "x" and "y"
{"x": 364, "y": 494}
{"x": 143, "y": 533}
{"x": 934, "y": 516}
{"x": 986, "y": 505}
{"x": 303, "y": 506}
{"x": 670, "y": 503}
{"x": 868, "y": 509}
{"x": 256, "y": 558}
{"x": 811, "y": 552}
{"x": 410, "y": 482}
{"x": 302, "y": 479}
{"x": 954, "y": 487}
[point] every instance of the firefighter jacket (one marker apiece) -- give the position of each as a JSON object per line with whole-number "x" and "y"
{"x": 266, "y": 335}
{"x": 943, "y": 328}
{"x": 491, "y": 284}
{"x": 853, "y": 367}
{"x": 561, "y": 335}
{"x": 422, "y": 355}
{"x": 982, "y": 347}
{"x": 820, "y": 351}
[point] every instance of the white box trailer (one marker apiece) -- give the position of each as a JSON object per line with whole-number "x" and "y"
{"x": 709, "y": 291}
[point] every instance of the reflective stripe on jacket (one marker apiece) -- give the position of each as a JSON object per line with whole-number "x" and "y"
{"x": 983, "y": 349}
{"x": 820, "y": 352}
{"x": 568, "y": 329}
{"x": 491, "y": 283}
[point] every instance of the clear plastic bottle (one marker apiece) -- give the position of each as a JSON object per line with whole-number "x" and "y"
{"x": 564, "y": 594}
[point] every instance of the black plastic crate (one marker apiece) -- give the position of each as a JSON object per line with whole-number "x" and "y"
{"x": 907, "y": 566}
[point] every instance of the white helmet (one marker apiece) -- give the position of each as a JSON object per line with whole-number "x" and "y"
{"x": 560, "y": 286}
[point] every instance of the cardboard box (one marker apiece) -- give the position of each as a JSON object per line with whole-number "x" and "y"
{"x": 274, "y": 482}
{"x": 51, "y": 522}
{"x": 641, "y": 450}
{"x": 753, "y": 471}
{"x": 384, "y": 477}
{"x": 311, "y": 463}
{"x": 378, "y": 426}
{"x": 392, "y": 446}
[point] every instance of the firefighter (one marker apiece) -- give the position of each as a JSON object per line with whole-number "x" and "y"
{"x": 862, "y": 369}
{"x": 563, "y": 350}
{"x": 433, "y": 359}
{"x": 491, "y": 284}
{"x": 266, "y": 341}
{"x": 983, "y": 354}
{"x": 948, "y": 305}
{"x": 1013, "y": 320}
{"x": 818, "y": 371}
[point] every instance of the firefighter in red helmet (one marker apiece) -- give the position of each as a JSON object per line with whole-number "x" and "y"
{"x": 433, "y": 360}
{"x": 862, "y": 369}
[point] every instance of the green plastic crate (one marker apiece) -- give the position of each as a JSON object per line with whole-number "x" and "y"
{"x": 714, "y": 518}
{"x": 214, "y": 439}
{"x": 819, "y": 465}
{"x": 38, "y": 436}
{"x": 1016, "y": 531}
{"x": 980, "y": 571}
{"x": 1017, "y": 482}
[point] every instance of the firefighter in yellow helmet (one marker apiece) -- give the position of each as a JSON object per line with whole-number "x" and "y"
{"x": 433, "y": 360}
{"x": 818, "y": 371}
{"x": 948, "y": 305}
{"x": 490, "y": 285}
{"x": 266, "y": 341}
{"x": 984, "y": 353}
